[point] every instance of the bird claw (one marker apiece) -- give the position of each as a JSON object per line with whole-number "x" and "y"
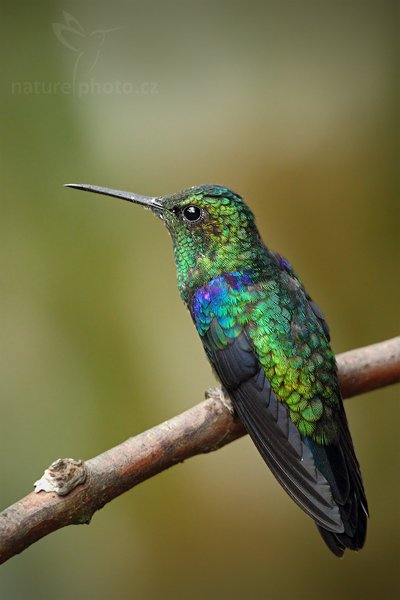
{"x": 216, "y": 393}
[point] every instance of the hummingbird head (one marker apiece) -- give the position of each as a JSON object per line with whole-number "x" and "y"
{"x": 212, "y": 229}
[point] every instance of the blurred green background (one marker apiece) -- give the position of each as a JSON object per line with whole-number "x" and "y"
{"x": 293, "y": 105}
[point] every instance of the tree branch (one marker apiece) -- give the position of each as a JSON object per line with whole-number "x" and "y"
{"x": 203, "y": 428}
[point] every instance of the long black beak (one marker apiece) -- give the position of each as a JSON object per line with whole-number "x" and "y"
{"x": 148, "y": 201}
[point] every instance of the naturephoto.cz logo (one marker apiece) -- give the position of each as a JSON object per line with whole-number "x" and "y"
{"x": 87, "y": 48}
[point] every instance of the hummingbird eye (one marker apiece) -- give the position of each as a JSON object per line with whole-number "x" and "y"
{"x": 192, "y": 213}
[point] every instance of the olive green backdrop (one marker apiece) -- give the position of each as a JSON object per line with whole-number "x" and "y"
{"x": 293, "y": 105}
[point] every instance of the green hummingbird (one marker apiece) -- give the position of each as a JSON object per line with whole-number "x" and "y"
{"x": 269, "y": 345}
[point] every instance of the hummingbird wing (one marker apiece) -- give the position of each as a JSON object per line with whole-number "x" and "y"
{"x": 267, "y": 344}
{"x": 351, "y": 497}
{"x": 268, "y": 424}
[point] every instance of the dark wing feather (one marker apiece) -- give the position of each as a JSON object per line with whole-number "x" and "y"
{"x": 268, "y": 424}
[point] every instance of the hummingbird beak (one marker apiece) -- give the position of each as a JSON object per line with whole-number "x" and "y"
{"x": 146, "y": 201}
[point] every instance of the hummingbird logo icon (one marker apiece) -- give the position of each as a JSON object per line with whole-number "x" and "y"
{"x": 86, "y": 45}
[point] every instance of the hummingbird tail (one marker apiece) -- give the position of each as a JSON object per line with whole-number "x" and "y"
{"x": 338, "y": 542}
{"x": 339, "y": 465}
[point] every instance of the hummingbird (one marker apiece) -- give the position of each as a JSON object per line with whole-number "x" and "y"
{"x": 269, "y": 345}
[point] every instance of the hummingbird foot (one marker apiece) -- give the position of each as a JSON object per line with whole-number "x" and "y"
{"x": 219, "y": 394}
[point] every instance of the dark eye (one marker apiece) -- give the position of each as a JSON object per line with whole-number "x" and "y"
{"x": 192, "y": 213}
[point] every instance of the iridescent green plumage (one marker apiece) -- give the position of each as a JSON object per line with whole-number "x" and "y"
{"x": 289, "y": 338}
{"x": 290, "y": 345}
{"x": 269, "y": 344}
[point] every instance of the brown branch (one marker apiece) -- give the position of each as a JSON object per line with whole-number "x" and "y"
{"x": 203, "y": 428}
